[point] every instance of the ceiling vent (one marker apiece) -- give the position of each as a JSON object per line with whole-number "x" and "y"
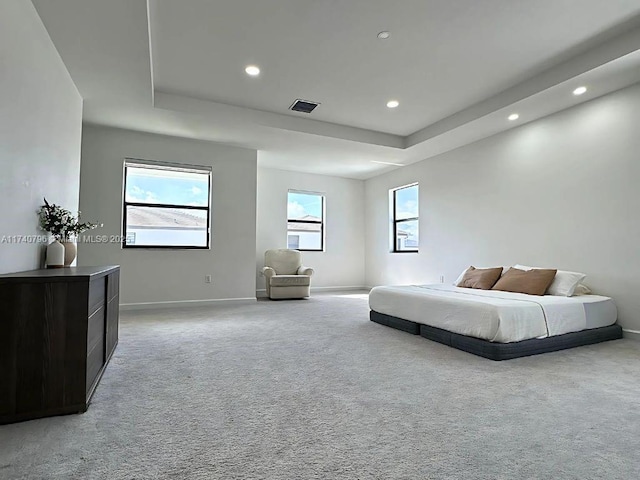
{"x": 304, "y": 106}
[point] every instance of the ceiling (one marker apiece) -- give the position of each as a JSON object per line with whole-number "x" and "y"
{"x": 458, "y": 70}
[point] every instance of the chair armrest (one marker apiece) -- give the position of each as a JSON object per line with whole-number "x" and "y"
{"x": 268, "y": 272}
{"x": 305, "y": 270}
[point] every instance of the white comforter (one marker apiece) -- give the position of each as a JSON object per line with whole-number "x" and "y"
{"x": 488, "y": 314}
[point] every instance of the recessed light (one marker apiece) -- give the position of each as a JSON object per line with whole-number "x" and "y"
{"x": 387, "y": 163}
{"x": 393, "y": 103}
{"x": 579, "y": 90}
{"x": 513, "y": 116}
{"x": 252, "y": 70}
{"x": 384, "y": 35}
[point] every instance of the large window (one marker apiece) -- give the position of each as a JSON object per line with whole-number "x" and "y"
{"x": 305, "y": 221}
{"x": 165, "y": 205}
{"x": 405, "y": 219}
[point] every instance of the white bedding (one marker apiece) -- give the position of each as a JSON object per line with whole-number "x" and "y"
{"x": 493, "y": 315}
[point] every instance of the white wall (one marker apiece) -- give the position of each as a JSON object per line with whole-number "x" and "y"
{"x": 561, "y": 192}
{"x": 151, "y": 276}
{"x": 342, "y": 262}
{"x": 40, "y": 130}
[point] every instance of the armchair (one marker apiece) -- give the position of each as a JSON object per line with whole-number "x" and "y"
{"x": 285, "y": 276}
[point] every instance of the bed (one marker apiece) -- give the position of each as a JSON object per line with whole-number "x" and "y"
{"x": 495, "y": 324}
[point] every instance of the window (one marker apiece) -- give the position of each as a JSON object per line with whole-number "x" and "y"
{"x": 293, "y": 241}
{"x": 305, "y": 221}
{"x": 405, "y": 219}
{"x": 165, "y": 205}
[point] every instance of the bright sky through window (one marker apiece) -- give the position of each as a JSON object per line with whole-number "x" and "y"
{"x": 146, "y": 185}
{"x": 303, "y": 204}
{"x": 407, "y": 203}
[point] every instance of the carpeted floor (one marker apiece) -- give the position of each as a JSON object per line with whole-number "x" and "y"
{"x": 313, "y": 390}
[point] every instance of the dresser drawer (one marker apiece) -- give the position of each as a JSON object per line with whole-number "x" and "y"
{"x": 112, "y": 314}
{"x": 95, "y": 329}
{"x": 97, "y": 294}
{"x": 95, "y": 361}
{"x": 113, "y": 285}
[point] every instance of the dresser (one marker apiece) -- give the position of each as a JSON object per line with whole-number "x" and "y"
{"x": 58, "y": 330}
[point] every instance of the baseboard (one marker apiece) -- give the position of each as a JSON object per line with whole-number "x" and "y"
{"x": 124, "y": 307}
{"x": 262, "y": 293}
{"x": 632, "y": 334}
{"x": 338, "y": 289}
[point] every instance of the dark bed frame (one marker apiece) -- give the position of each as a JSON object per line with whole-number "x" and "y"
{"x": 501, "y": 351}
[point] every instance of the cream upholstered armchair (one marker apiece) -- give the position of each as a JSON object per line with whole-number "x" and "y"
{"x": 284, "y": 274}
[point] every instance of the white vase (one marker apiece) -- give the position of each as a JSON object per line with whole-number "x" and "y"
{"x": 55, "y": 255}
{"x": 70, "y": 252}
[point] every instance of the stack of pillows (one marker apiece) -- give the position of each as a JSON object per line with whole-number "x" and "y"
{"x": 523, "y": 279}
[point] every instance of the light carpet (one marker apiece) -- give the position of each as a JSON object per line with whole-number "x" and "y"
{"x": 313, "y": 390}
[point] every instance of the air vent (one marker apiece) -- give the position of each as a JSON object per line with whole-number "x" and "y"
{"x": 304, "y": 106}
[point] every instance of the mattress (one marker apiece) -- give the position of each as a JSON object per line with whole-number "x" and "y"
{"x": 493, "y": 315}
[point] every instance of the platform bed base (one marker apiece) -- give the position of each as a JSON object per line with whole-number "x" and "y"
{"x": 501, "y": 351}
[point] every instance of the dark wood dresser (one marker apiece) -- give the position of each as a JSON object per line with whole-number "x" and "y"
{"x": 58, "y": 330}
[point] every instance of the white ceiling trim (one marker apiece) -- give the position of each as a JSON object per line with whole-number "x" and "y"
{"x": 233, "y": 113}
{"x": 612, "y": 50}
{"x": 150, "y": 20}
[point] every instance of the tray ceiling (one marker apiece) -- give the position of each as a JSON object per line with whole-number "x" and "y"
{"x": 456, "y": 68}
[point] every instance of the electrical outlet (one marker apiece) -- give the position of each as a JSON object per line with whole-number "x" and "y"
{"x": 441, "y": 278}
{"x": 207, "y": 279}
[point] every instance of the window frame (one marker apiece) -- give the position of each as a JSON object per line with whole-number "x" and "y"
{"x": 178, "y": 167}
{"x": 395, "y": 220}
{"x": 321, "y": 222}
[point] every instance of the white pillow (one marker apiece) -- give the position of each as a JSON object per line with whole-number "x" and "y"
{"x": 461, "y": 276}
{"x": 582, "y": 289}
{"x": 564, "y": 283}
